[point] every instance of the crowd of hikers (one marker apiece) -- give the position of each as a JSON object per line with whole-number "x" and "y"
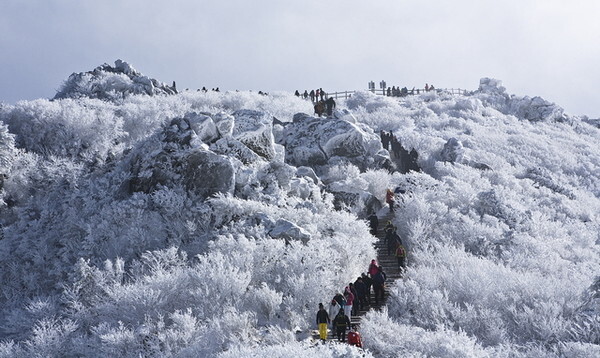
{"x": 356, "y": 296}
{"x": 403, "y": 92}
{"x": 322, "y": 103}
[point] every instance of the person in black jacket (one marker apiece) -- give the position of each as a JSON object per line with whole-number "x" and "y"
{"x": 341, "y": 322}
{"x": 373, "y": 224}
{"x": 322, "y": 321}
{"x": 378, "y": 284}
{"x": 330, "y": 106}
{"x": 368, "y": 283}
{"x": 361, "y": 291}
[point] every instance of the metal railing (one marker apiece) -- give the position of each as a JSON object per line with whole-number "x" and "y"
{"x": 416, "y": 91}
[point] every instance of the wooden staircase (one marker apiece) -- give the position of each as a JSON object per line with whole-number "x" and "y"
{"x": 390, "y": 267}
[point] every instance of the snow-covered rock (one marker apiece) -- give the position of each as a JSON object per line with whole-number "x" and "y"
{"x": 176, "y": 155}
{"x": 453, "y": 151}
{"x": 287, "y": 230}
{"x": 314, "y": 142}
{"x": 308, "y": 173}
{"x": 536, "y": 109}
{"x": 206, "y": 173}
{"x": 204, "y": 126}
{"x": 112, "y": 83}
{"x": 255, "y": 130}
{"x": 533, "y": 109}
{"x": 236, "y": 149}
{"x": 224, "y": 123}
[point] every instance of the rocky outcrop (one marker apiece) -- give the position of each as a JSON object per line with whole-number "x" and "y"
{"x": 111, "y": 83}
{"x": 453, "y": 151}
{"x": 178, "y": 156}
{"x": 315, "y": 142}
{"x": 492, "y": 93}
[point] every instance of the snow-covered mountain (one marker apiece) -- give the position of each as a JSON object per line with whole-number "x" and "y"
{"x": 139, "y": 221}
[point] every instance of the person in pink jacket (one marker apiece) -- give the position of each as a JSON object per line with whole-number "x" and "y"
{"x": 373, "y": 268}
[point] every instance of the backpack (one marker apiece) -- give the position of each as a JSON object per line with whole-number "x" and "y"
{"x": 400, "y": 252}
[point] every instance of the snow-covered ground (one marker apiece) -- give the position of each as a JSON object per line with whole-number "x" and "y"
{"x": 139, "y": 221}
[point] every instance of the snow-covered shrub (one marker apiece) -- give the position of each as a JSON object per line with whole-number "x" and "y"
{"x": 69, "y": 128}
{"x": 386, "y": 338}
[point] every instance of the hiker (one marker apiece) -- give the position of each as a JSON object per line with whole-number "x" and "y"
{"x": 319, "y": 108}
{"x": 413, "y": 158}
{"x": 389, "y": 92}
{"x": 297, "y": 94}
{"x": 385, "y": 141}
{"x": 354, "y": 337}
{"x": 312, "y": 96}
{"x": 389, "y": 199}
{"x": 378, "y": 284}
{"x": 372, "y": 268}
{"x": 426, "y": 87}
{"x": 356, "y": 302}
{"x": 330, "y": 104}
{"x": 334, "y": 309}
{"x": 321, "y": 93}
{"x": 396, "y": 145}
{"x": 390, "y": 238}
{"x": 349, "y": 296}
{"x": 401, "y": 255}
{"x": 368, "y": 283}
{"x": 305, "y": 95}
{"x": 373, "y": 223}
{"x": 361, "y": 292}
{"x": 339, "y": 298}
{"x": 322, "y": 321}
{"x": 342, "y": 322}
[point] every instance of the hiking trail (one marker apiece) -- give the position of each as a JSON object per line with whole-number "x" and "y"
{"x": 389, "y": 263}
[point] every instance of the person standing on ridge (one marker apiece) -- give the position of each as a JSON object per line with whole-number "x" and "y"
{"x": 305, "y": 94}
{"x": 321, "y": 93}
{"x": 320, "y": 108}
{"x": 312, "y": 96}
{"x": 322, "y": 321}
{"x": 330, "y": 104}
{"x": 297, "y": 94}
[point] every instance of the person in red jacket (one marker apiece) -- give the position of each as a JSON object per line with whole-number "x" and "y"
{"x": 354, "y": 337}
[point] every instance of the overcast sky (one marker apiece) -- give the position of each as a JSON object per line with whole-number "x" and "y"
{"x": 546, "y": 48}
